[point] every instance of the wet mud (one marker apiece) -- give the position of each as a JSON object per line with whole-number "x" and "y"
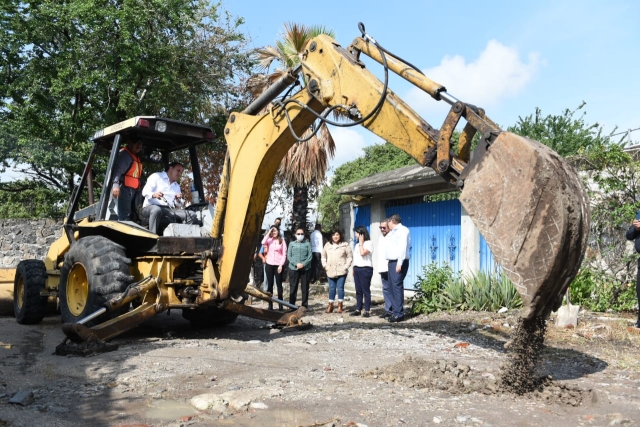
{"x": 519, "y": 375}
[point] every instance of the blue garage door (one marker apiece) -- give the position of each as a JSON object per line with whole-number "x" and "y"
{"x": 435, "y": 235}
{"x": 487, "y": 263}
{"x": 363, "y": 217}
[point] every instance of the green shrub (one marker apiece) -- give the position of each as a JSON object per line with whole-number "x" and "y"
{"x": 429, "y": 286}
{"x": 442, "y": 289}
{"x": 490, "y": 292}
{"x": 600, "y": 291}
{"x": 452, "y": 296}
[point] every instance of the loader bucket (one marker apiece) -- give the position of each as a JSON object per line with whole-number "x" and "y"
{"x": 530, "y": 206}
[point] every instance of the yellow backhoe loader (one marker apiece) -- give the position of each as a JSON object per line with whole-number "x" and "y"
{"x": 525, "y": 199}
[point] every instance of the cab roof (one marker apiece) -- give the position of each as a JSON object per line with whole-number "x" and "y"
{"x": 157, "y": 133}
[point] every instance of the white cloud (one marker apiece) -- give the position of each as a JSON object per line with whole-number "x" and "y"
{"x": 497, "y": 74}
{"x": 349, "y": 145}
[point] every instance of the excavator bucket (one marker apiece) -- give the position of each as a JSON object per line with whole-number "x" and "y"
{"x": 533, "y": 211}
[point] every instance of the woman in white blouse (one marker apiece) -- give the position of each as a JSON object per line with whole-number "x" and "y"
{"x": 362, "y": 271}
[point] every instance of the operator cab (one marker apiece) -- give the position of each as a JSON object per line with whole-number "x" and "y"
{"x": 164, "y": 141}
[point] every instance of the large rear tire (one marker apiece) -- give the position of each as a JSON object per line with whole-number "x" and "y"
{"x": 95, "y": 270}
{"x": 28, "y": 306}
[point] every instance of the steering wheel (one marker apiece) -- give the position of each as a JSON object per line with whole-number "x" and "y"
{"x": 196, "y": 207}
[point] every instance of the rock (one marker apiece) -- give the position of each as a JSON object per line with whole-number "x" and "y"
{"x": 205, "y": 401}
{"x": 23, "y": 397}
{"x": 503, "y": 310}
{"x": 258, "y": 405}
{"x": 437, "y": 420}
{"x": 236, "y": 399}
{"x": 462, "y": 418}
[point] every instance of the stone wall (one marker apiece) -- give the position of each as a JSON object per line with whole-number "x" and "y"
{"x": 26, "y": 239}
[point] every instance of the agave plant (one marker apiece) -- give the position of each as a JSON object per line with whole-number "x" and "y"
{"x": 306, "y": 163}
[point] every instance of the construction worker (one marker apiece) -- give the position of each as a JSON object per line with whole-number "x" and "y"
{"x": 126, "y": 180}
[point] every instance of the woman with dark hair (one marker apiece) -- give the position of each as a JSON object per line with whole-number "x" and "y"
{"x": 362, "y": 271}
{"x": 336, "y": 260}
{"x": 276, "y": 249}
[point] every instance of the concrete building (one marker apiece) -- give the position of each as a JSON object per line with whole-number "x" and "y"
{"x": 441, "y": 231}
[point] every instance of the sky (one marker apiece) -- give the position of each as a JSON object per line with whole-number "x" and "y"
{"x": 506, "y": 57}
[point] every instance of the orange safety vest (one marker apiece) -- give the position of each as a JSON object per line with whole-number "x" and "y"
{"x": 132, "y": 176}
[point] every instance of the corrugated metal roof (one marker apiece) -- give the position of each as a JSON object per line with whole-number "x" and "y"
{"x": 407, "y": 176}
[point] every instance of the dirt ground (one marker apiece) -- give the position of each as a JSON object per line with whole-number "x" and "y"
{"x": 345, "y": 371}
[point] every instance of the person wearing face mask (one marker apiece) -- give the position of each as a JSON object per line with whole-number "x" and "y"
{"x": 299, "y": 255}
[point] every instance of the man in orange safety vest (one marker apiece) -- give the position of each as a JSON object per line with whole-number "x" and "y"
{"x": 126, "y": 180}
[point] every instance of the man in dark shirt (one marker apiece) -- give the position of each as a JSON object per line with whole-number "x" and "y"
{"x": 126, "y": 180}
{"x": 633, "y": 233}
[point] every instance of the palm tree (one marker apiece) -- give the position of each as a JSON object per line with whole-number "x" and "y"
{"x": 305, "y": 165}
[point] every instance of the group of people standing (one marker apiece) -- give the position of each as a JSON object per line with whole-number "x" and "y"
{"x": 393, "y": 263}
{"x": 304, "y": 256}
{"x": 301, "y": 256}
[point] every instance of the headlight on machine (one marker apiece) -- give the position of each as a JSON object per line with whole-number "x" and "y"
{"x": 161, "y": 126}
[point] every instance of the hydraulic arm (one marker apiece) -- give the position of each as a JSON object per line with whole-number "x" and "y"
{"x": 526, "y": 200}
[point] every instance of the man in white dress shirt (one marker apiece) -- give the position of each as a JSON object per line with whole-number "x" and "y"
{"x": 383, "y": 269}
{"x": 163, "y": 199}
{"x": 398, "y": 244}
{"x": 316, "y": 253}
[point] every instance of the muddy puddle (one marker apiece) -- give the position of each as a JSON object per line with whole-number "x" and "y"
{"x": 272, "y": 417}
{"x": 168, "y": 410}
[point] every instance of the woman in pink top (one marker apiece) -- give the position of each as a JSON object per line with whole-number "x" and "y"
{"x": 276, "y": 250}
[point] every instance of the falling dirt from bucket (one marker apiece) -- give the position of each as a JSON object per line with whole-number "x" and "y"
{"x": 518, "y": 374}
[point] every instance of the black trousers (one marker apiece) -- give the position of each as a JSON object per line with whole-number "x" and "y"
{"x": 272, "y": 273}
{"x": 316, "y": 265}
{"x": 638, "y": 290}
{"x": 258, "y": 271}
{"x": 126, "y": 203}
{"x": 362, "y": 279}
{"x": 296, "y": 276}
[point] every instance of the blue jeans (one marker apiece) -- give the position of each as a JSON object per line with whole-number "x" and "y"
{"x": 336, "y": 282}
{"x": 396, "y": 282}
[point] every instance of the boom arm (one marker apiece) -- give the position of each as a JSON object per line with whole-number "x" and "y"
{"x": 507, "y": 173}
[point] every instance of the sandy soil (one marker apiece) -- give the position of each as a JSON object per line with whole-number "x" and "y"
{"x": 346, "y": 371}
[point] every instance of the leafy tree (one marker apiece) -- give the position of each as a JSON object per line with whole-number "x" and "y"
{"x": 70, "y": 68}
{"x": 607, "y": 276}
{"x": 377, "y": 158}
{"x": 304, "y": 167}
{"x": 564, "y": 133}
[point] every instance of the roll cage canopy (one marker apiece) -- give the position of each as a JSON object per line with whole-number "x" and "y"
{"x": 157, "y": 133}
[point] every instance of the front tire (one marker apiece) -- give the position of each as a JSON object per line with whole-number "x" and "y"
{"x": 29, "y": 307}
{"x": 95, "y": 270}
